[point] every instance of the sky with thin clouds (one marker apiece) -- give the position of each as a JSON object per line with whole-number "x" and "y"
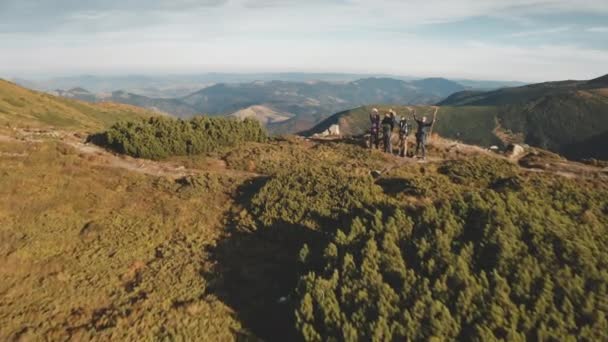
{"x": 526, "y": 40}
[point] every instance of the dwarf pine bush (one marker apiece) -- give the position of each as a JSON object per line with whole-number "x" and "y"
{"x": 506, "y": 263}
{"x": 161, "y": 137}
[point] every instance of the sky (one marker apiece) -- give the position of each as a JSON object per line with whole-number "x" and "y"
{"x": 524, "y": 40}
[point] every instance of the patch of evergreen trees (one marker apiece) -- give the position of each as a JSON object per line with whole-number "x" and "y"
{"x": 504, "y": 256}
{"x": 161, "y": 137}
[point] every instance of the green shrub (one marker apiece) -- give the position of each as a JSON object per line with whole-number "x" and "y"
{"x": 312, "y": 197}
{"x": 161, "y": 137}
{"x": 478, "y": 170}
{"x": 484, "y": 265}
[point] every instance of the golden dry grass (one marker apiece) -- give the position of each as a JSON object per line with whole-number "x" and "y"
{"x": 88, "y": 251}
{"x": 91, "y": 250}
{"x": 24, "y": 107}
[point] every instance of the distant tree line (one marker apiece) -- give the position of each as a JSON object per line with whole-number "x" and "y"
{"x": 162, "y": 137}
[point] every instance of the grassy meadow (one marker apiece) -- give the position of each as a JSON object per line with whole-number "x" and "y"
{"x": 288, "y": 239}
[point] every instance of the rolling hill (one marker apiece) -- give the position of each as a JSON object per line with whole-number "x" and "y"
{"x": 21, "y": 106}
{"x": 77, "y": 93}
{"x": 568, "y": 117}
{"x": 318, "y": 99}
{"x": 306, "y": 103}
{"x": 174, "y": 107}
{"x": 265, "y": 115}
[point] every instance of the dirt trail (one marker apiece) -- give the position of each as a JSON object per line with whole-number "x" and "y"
{"x": 529, "y": 162}
{"x": 100, "y": 157}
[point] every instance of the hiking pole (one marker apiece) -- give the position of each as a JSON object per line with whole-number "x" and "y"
{"x": 433, "y": 124}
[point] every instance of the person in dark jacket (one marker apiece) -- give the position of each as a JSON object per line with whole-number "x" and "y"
{"x": 388, "y": 124}
{"x": 374, "y": 139}
{"x": 404, "y": 130}
{"x": 422, "y": 133}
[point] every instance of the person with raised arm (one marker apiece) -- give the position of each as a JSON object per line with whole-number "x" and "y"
{"x": 422, "y": 133}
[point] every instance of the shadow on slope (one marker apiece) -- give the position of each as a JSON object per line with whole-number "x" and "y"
{"x": 257, "y": 269}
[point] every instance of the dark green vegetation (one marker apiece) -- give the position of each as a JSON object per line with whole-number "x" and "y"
{"x": 569, "y": 118}
{"x": 466, "y": 249}
{"x": 525, "y": 260}
{"x": 163, "y": 137}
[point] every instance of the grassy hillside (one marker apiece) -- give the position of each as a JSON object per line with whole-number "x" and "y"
{"x": 569, "y": 117}
{"x": 557, "y": 121}
{"x": 473, "y": 125}
{"x": 291, "y": 240}
{"x": 93, "y": 252}
{"x": 20, "y": 106}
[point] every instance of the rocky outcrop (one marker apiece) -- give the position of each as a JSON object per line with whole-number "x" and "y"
{"x": 332, "y": 131}
{"x": 515, "y": 151}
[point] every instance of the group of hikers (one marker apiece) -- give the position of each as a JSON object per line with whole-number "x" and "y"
{"x": 388, "y": 123}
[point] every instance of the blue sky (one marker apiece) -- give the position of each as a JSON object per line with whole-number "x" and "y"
{"x": 527, "y": 40}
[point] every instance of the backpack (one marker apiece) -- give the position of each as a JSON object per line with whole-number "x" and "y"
{"x": 404, "y": 128}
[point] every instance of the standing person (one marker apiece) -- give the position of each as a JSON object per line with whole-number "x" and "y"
{"x": 388, "y": 124}
{"x": 404, "y": 130}
{"x": 374, "y": 138}
{"x": 421, "y": 134}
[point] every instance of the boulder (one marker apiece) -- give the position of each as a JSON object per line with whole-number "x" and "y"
{"x": 334, "y": 130}
{"x": 514, "y": 151}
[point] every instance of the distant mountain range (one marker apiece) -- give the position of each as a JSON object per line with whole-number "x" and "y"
{"x": 303, "y": 103}
{"x": 568, "y": 117}
{"x": 171, "y": 86}
{"x": 303, "y": 97}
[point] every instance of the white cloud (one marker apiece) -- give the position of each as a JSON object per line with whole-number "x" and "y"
{"x": 599, "y": 29}
{"x": 409, "y": 56}
{"x": 543, "y": 32}
{"x": 281, "y": 35}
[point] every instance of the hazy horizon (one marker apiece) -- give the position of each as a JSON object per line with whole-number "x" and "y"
{"x": 35, "y": 77}
{"x": 522, "y": 40}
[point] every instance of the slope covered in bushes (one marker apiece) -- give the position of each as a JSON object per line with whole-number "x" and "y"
{"x": 295, "y": 240}
{"x": 465, "y": 249}
{"x": 504, "y": 257}
{"x": 162, "y": 137}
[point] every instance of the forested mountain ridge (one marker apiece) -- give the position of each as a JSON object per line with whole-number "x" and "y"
{"x": 518, "y": 95}
{"x": 568, "y": 117}
{"x": 305, "y": 103}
